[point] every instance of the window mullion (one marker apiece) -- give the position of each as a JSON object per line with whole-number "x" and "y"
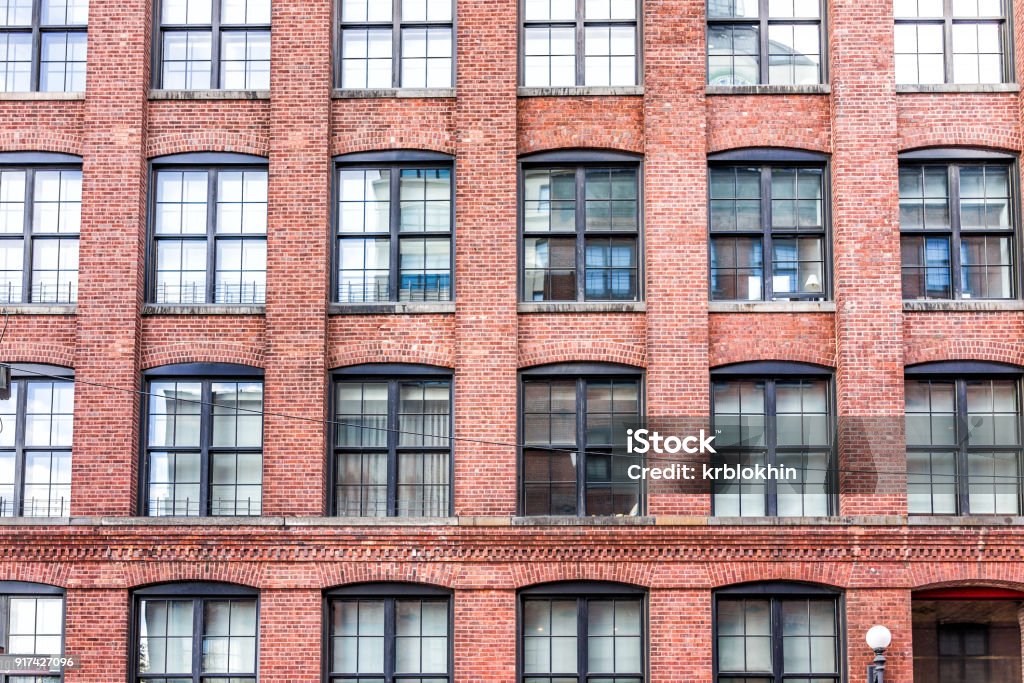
{"x": 768, "y": 289}
{"x": 581, "y": 234}
{"x": 26, "y": 247}
{"x": 955, "y": 275}
{"x": 197, "y": 639}
{"x": 392, "y": 441}
{"x": 205, "y": 441}
{"x": 19, "y": 450}
{"x": 37, "y": 46}
{"x": 771, "y": 427}
{"x": 762, "y": 41}
{"x": 581, "y": 446}
{"x": 947, "y": 40}
{"x": 960, "y": 387}
{"x": 215, "y": 31}
{"x": 775, "y": 625}
{"x": 390, "y": 639}
{"x": 394, "y": 231}
{"x": 581, "y": 75}
{"x": 212, "y": 176}
{"x": 582, "y": 643}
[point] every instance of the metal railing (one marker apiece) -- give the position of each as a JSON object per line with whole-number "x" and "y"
{"x": 189, "y": 507}
{"x": 14, "y": 293}
{"x": 359, "y": 293}
{"x": 36, "y": 507}
{"x": 197, "y": 293}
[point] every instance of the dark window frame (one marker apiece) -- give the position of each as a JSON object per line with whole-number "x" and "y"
{"x": 394, "y": 161}
{"x": 25, "y": 589}
{"x": 954, "y": 159}
{"x": 199, "y": 592}
{"x": 960, "y": 630}
{"x": 22, "y": 374}
{"x": 767, "y": 159}
{"x": 37, "y": 29}
{"x": 948, "y": 19}
{"x": 583, "y": 592}
{"x": 396, "y": 24}
{"x": 959, "y": 373}
{"x": 579, "y": 25}
{"x": 205, "y": 374}
{"x": 393, "y": 374}
{"x": 776, "y": 591}
{"x": 581, "y": 373}
{"x": 771, "y": 372}
{"x": 580, "y": 161}
{"x": 761, "y": 22}
{"x": 211, "y": 163}
{"x": 216, "y": 30}
{"x": 389, "y": 592}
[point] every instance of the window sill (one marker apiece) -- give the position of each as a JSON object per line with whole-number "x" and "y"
{"x": 967, "y": 520}
{"x": 565, "y": 520}
{"x": 582, "y": 307}
{"x": 202, "y": 309}
{"x": 42, "y": 96}
{"x": 362, "y": 93}
{"x": 581, "y": 91}
{"x": 958, "y": 87}
{"x": 39, "y": 309}
{"x": 772, "y": 307}
{"x": 978, "y": 305}
{"x": 406, "y": 308}
{"x": 817, "y": 89}
{"x": 859, "y": 520}
{"x": 209, "y": 94}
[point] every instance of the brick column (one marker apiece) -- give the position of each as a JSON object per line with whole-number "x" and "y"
{"x": 485, "y": 258}
{"x": 866, "y": 256}
{"x": 111, "y": 265}
{"x": 675, "y": 224}
{"x": 890, "y": 608}
{"x": 96, "y": 629}
{"x": 297, "y": 259}
{"x": 680, "y": 636}
{"x": 485, "y": 636}
{"x": 289, "y": 643}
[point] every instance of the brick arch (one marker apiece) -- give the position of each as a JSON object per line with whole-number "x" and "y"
{"x": 40, "y": 140}
{"x": 207, "y": 141}
{"x": 384, "y": 351}
{"x": 828, "y": 574}
{"x": 764, "y": 349}
{"x": 208, "y": 352}
{"x": 582, "y": 350}
{"x": 927, "y": 576}
{"x": 408, "y": 137}
{"x": 47, "y": 354}
{"x": 965, "y": 349}
{"x": 996, "y": 138}
{"x": 526, "y": 574}
{"x": 142, "y": 574}
{"x": 49, "y": 573}
{"x": 605, "y": 136}
{"x": 784, "y": 137}
{"x": 336, "y": 574}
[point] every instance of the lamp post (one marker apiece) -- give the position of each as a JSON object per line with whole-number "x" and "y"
{"x": 878, "y": 638}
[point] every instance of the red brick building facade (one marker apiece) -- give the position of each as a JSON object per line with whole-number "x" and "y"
{"x": 875, "y": 556}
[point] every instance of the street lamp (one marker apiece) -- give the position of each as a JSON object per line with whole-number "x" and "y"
{"x": 878, "y": 638}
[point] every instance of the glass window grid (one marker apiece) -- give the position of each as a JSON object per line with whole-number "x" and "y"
{"x": 580, "y": 25}
{"x": 766, "y": 233}
{"x": 961, "y": 451}
{"x": 960, "y": 664}
{"x": 39, "y": 633}
{"x": 396, "y": 25}
{"x": 582, "y": 637}
{"x": 947, "y": 21}
{"x": 777, "y": 673}
{"x": 39, "y": 31}
{"x": 390, "y": 674}
{"x": 23, "y": 288}
{"x": 216, "y": 30}
{"x": 771, "y": 453}
{"x": 392, "y": 449}
{"x": 212, "y": 237}
{"x": 761, "y": 25}
{"x": 207, "y": 453}
{"x": 581, "y": 234}
{"x": 58, "y": 482}
{"x": 579, "y": 449}
{"x": 198, "y": 642}
{"x": 394, "y": 236}
{"x": 954, "y": 232}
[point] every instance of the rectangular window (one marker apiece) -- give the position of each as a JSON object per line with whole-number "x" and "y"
{"x": 570, "y": 639}
{"x": 572, "y": 464}
{"x": 786, "y": 423}
{"x": 214, "y": 44}
{"x": 195, "y": 640}
{"x": 950, "y": 41}
{"x": 406, "y": 44}
{"x": 774, "y": 639}
{"x": 393, "y": 447}
{"x": 581, "y": 229}
{"x": 204, "y": 448}
{"x": 768, "y": 233}
{"x": 394, "y": 234}
{"x": 388, "y": 640}
{"x": 210, "y": 236}
{"x": 35, "y": 448}
{"x": 957, "y": 231}
{"x": 40, "y": 218}
{"x": 773, "y": 42}
{"x": 963, "y": 446}
{"x": 567, "y": 43}
{"x": 43, "y": 45}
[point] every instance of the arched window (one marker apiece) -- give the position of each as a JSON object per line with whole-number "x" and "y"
{"x": 195, "y": 632}
{"x": 963, "y": 438}
{"x": 31, "y": 623}
{"x": 389, "y": 632}
{"x": 582, "y": 631}
{"x": 776, "y": 632}
{"x": 204, "y": 440}
{"x": 392, "y": 447}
